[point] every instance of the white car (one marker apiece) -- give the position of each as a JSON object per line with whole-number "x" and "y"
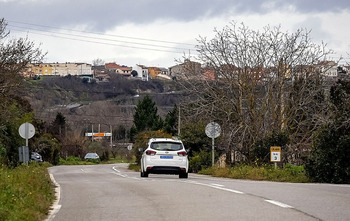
{"x": 164, "y": 156}
{"x": 36, "y": 157}
{"x": 92, "y": 156}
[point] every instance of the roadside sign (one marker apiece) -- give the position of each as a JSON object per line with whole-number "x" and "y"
{"x": 275, "y": 154}
{"x": 129, "y": 147}
{"x": 26, "y": 130}
{"x": 23, "y": 153}
{"x": 213, "y": 130}
{"x": 98, "y": 134}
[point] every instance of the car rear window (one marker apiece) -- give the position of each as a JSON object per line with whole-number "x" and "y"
{"x": 169, "y": 146}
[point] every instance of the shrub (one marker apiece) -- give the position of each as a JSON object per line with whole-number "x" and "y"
{"x": 200, "y": 160}
{"x": 70, "y": 160}
{"x": 329, "y": 161}
{"x": 261, "y": 148}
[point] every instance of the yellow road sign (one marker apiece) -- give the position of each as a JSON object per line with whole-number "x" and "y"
{"x": 275, "y": 154}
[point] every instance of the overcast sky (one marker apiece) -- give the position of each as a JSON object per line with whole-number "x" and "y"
{"x": 156, "y": 32}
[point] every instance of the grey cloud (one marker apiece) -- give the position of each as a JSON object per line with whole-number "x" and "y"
{"x": 104, "y": 14}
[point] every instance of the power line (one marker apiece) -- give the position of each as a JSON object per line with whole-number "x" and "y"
{"x": 103, "y": 40}
{"x": 95, "y": 33}
{"x": 103, "y": 43}
{"x": 98, "y": 38}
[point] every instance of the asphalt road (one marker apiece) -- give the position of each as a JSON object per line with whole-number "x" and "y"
{"x": 111, "y": 192}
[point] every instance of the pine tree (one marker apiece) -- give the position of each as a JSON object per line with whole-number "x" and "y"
{"x": 146, "y": 117}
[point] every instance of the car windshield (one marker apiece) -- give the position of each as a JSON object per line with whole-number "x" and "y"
{"x": 169, "y": 146}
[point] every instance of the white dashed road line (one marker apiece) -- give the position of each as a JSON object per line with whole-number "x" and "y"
{"x": 278, "y": 204}
{"x": 216, "y": 186}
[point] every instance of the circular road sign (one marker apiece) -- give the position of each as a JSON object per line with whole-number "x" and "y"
{"x": 26, "y": 130}
{"x": 213, "y": 130}
{"x": 129, "y": 147}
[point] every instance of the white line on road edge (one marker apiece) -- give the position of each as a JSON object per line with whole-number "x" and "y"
{"x": 55, "y": 207}
{"x": 225, "y": 189}
{"x": 118, "y": 172}
{"x": 278, "y": 204}
{"x": 215, "y": 184}
{"x": 115, "y": 169}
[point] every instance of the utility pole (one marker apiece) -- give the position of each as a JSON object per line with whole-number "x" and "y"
{"x": 92, "y": 132}
{"x": 179, "y": 123}
{"x": 111, "y": 136}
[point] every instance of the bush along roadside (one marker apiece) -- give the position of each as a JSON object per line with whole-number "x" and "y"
{"x": 26, "y": 192}
{"x": 289, "y": 173}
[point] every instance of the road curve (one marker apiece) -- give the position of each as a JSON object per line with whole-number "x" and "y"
{"x": 111, "y": 192}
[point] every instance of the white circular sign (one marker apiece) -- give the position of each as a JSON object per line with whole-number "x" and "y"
{"x": 213, "y": 130}
{"x": 26, "y": 130}
{"x": 129, "y": 147}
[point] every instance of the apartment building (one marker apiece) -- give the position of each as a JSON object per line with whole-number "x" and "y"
{"x": 59, "y": 69}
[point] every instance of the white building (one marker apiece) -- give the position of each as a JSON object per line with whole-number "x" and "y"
{"x": 142, "y": 72}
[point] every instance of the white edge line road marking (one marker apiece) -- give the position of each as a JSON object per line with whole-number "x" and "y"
{"x": 225, "y": 189}
{"x": 278, "y": 204}
{"x": 118, "y": 172}
{"x": 115, "y": 169}
{"x": 215, "y": 184}
{"x": 55, "y": 207}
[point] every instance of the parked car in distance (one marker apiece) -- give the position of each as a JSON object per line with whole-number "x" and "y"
{"x": 36, "y": 157}
{"x": 92, "y": 156}
{"x": 164, "y": 156}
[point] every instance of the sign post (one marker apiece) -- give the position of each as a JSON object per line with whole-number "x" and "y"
{"x": 23, "y": 153}
{"x": 26, "y": 131}
{"x": 213, "y": 130}
{"x": 275, "y": 155}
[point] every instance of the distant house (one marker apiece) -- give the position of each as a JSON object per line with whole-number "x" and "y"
{"x": 165, "y": 71}
{"x": 38, "y": 69}
{"x": 208, "y": 74}
{"x": 328, "y": 68}
{"x": 188, "y": 69}
{"x": 141, "y": 72}
{"x": 98, "y": 69}
{"x": 59, "y": 69}
{"x": 118, "y": 69}
{"x": 154, "y": 72}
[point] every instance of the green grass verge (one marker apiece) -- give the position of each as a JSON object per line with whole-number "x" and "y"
{"x": 134, "y": 167}
{"x": 289, "y": 173}
{"x": 26, "y": 192}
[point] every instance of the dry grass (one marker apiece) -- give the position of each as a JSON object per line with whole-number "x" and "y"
{"x": 289, "y": 173}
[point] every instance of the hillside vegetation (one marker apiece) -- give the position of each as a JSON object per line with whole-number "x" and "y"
{"x": 109, "y": 102}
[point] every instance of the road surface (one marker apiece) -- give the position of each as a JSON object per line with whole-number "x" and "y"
{"x": 112, "y": 192}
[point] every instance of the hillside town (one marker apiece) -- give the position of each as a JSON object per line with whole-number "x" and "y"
{"x": 100, "y": 73}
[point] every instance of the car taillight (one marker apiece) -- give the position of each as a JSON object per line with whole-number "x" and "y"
{"x": 151, "y": 152}
{"x": 182, "y": 153}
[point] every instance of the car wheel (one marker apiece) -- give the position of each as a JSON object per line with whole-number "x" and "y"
{"x": 183, "y": 175}
{"x": 144, "y": 174}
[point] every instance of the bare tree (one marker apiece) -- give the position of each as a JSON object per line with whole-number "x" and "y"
{"x": 258, "y": 82}
{"x": 98, "y": 62}
{"x": 15, "y": 55}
